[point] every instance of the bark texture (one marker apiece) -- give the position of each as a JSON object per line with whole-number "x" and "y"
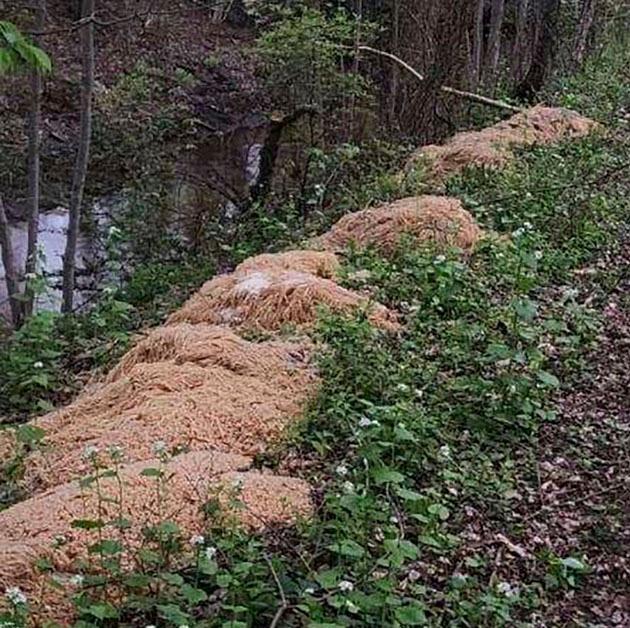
{"x": 33, "y": 133}
{"x": 10, "y": 269}
{"x": 83, "y": 156}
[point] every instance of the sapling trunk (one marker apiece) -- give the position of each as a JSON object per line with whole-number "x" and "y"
{"x": 83, "y": 155}
{"x": 33, "y": 131}
{"x": 10, "y": 268}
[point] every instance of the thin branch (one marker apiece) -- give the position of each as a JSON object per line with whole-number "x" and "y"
{"x": 484, "y": 100}
{"x": 285, "y": 604}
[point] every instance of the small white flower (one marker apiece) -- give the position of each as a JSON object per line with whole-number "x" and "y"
{"x": 76, "y": 580}
{"x": 309, "y": 591}
{"x": 393, "y": 519}
{"x": 38, "y": 365}
{"x": 90, "y": 452}
{"x": 197, "y": 540}
{"x": 184, "y": 626}
{"x": 30, "y": 276}
{"x": 15, "y": 595}
{"x": 440, "y": 259}
{"x": 518, "y": 232}
{"x": 211, "y": 552}
{"x": 346, "y": 585}
{"x": 538, "y": 254}
{"x": 348, "y": 487}
{"x": 507, "y": 589}
{"x": 445, "y": 452}
{"x": 402, "y": 387}
{"x": 528, "y": 225}
{"x": 419, "y": 393}
{"x": 342, "y": 470}
{"x": 159, "y": 447}
{"x": 365, "y": 422}
{"x": 151, "y": 626}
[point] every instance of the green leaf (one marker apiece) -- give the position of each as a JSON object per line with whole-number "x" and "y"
{"x": 525, "y": 309}
{"x": 548, "y": 379}
{"x": 411, "y": 615}
{"x": 441, "y": 511}
{"x": 348, "y": 548}
{"x": 172, "y": 578}
{"x": 574, "y": 563}
{"x": 151, "y": 473}
{"x": 88, "y": 524}
{"x": 102, "y": 611}
{"x": 193, "y": 595}
{"x": 42, "y": 60}
{"x": 387, "y": 476}
{"x": 208, "y": 567}
{"x": 224, "y": 580}
{"x": 107, "y": 547}
{"x": 173, "y": 614}
{"x": 137, "y": 580}
{"x": 327, "y": 579}
{"x": 407, "y": 495}
{"x": 28, "y": 434}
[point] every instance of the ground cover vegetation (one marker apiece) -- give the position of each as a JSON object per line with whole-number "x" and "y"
{"x": 445, "y": 457}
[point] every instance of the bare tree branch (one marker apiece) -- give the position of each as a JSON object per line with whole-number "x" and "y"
{"x": 484, "y": 100}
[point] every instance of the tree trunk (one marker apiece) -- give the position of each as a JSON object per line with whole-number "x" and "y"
{"x": 33, "y": 127}
{"x": 587, "y": 16}
{"x": 477, "y": 44}
{"x": 395, "y": 78}
{"x": 83, "y": 155}
{"x": 543, "y": 53}
{"x": 10, "y": 272}
{"x": 494, "y": 40}
{"x": 520, "y": 36}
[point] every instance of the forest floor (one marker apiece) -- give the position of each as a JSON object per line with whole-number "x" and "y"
{"x": 474, "y": 469}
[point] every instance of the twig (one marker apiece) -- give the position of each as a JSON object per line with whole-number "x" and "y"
{"x": 285, "y": 604}
{"x": 484, "y": 100}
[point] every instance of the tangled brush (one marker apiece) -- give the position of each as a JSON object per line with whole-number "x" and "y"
{"x": 209, "y": 345}
{"x": 41, "y": 528}
{"x": 434, "y": 219}
{"x": 492, "y": 147}
{"x": 272, "y": 299}
{"x": 187, "y": 406}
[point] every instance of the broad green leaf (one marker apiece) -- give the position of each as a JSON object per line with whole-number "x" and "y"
{"x": 193, "y": 595}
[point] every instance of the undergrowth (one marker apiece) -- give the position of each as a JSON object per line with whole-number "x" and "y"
{"x": 414, "y": 435}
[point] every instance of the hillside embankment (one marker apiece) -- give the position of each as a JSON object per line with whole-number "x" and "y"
{"x": 219, "y": 383}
